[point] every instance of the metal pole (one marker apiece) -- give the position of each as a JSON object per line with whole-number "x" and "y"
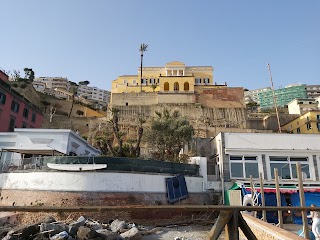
{"x": 263, "y": 201}
{"x": 302, "y": 202}
{"x": 276, "y": 178}
{"x": 274, "y": 99}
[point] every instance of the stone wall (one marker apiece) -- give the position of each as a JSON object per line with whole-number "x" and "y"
{"x": 65, "y": 199}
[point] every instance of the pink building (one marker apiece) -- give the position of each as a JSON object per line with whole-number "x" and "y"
{"x": 3, "y": 76}
{"x": 16, "y": 111}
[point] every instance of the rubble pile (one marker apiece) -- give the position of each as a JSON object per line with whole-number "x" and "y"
{"x": 82, "y": 229}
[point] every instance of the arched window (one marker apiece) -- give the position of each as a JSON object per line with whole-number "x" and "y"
{"x": 176, "y": 86}
{"x": 166, "y": 86}
{"x": 186, "y": 86}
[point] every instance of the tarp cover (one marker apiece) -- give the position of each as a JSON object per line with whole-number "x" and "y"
{"x": 310, "y": 198}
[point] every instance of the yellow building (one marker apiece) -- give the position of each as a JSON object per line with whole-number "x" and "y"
{"x": 309, "y": 122}
{"x": 173, "y": 77}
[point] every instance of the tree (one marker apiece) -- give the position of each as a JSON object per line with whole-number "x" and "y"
{"x": 15, "y": 76}
{"x": 110, "y": 139}
{"x": 53, "y": 110}
{"x": 143, "y": 48}
{"x": 84, "y": 83}
{"x": 80, "y": 113}
{"x": 29, "y": 75}
{"x": 168, "y": 133}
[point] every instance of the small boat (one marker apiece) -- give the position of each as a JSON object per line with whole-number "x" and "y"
{"x": 76, "y": 167}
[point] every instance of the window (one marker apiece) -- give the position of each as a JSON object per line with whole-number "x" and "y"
{"x": 166, "y": 86}
{"x": 15, "y": 106}
{"x": 318, "y": 127}
{"x": 298, "y": 130}
{"x": 134, "y": 81}
{"x": 125, "y": 81}
{"x": 308, "y": 126}
{"x": 24, "y": 125}
{"x": 318, "y": 117}
{"x": 198, "y": 80}
{"x": 186, "y": 86}
{"x": 33, "y": 119}
{"x": 2, "y": 98}
{"x": 206, "y": 80}
{"x": 176, "y": 86}
{"x": 287, "y": 166}
{"x": 26, "y": 112}
{"x": 244, "y": 166}
{"x": 12, "y": 124}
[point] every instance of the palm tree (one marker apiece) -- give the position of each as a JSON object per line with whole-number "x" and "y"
{"x": 143, "y": 48}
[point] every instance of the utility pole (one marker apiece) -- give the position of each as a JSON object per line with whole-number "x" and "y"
{"x": 143, "y": 48}
{"x": 274, "y": 99}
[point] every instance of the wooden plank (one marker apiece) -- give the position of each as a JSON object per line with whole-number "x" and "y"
{"x": 135, "y": 208}
{"x": 278, "y": 195}
{"x": 232, "y": 231}
{"x": 246, "y": 229}
{"x": 302, "y": 202}
{"x": 263, "y": 200}
{"x": 220, "y": 224}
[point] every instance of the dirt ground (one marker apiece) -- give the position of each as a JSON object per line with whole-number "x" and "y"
{"x": 190, "y": 232}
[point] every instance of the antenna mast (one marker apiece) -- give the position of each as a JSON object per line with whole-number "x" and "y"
{"x": 274, "y": 99}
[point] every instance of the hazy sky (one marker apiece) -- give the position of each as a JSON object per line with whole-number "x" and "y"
{"x": 98, "y": 40}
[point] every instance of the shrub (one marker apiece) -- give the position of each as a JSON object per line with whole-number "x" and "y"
{"x": 23, "y": 85}
{"x": 15, "y": 85}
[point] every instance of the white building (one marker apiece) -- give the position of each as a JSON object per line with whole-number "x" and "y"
{"x": 313, "y": 91}
{"x": 29, "y": 142}
{"x": 53, "y": 82}
{"x": 303, "y": 105}
{"x": 240, "y": 155}
{"x": 94, "y": 94}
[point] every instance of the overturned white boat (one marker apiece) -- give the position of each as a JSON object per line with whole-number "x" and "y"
{"x": 76, "y": 167}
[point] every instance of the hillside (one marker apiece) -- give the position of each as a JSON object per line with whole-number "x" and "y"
{"x": 60, "y": 119}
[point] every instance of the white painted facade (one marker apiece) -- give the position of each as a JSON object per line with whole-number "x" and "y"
{"x": 240, "y": 155}
{"x": 92, "y": 182}
{"x": 94, "y": 93}
{"x": 302, "y": 105}
{"x": 54, "y": 82}
{"x": 43, "y": 142}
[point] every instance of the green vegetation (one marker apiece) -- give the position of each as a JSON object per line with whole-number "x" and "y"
{"x": 168, "y": 134}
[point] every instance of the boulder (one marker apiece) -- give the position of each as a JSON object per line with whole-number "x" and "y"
{"x": 107, "y": 235}
{"x": 132, "y": 234}
{"x": 117, "y": 225}
{"x": 53, "y": 228}
{"x": 85, "y": 233}
{"x": 49, "y": 219}
{"x": 73, "y": 227}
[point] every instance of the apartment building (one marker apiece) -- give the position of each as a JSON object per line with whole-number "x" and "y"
{"x": 253, "y": 95}
{"x": 16, "y": 111}
{"x": 313, "y": 91}
{"x": 53, "y": 82}
{"x": 283, "y": 96}
{"x": 94, "y": 94}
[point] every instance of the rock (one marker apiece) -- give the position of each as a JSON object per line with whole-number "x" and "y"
{"x": 26, "y": 231}
{"x": 61, "y": 236}
{"x": 132, "y": 234}
{"x": 117, "y": 225}
{"x": 107, "y": 235}
{"x": 93, "y": 224}
{"x": 53, "y": 228}
{"x": 42, "y": 236}
{"x": 73, "y": 227}
{"x": 49, "y": 219}
{"x": 85, "y": 233}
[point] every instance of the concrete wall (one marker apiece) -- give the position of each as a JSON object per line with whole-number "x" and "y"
{"x": 92, "y": 182}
